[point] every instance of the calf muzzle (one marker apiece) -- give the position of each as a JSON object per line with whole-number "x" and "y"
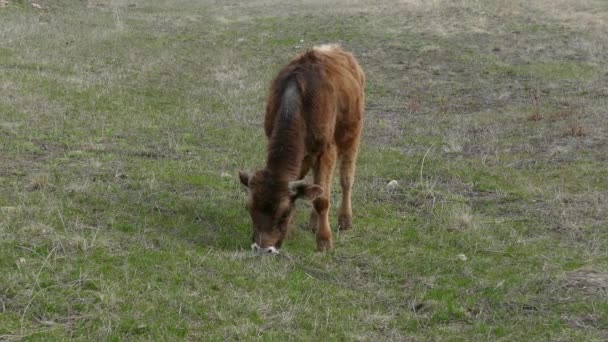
{"x": 264, "y": 250}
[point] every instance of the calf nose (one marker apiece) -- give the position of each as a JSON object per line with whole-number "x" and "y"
{"x": 265, "y": 250}
{"x": 270, "y": 250}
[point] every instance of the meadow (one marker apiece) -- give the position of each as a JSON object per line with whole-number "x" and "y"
{"x": 124, "y": 123}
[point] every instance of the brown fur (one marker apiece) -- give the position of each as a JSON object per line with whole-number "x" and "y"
{"x": 314, "y": 116}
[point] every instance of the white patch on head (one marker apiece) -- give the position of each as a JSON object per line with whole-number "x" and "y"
{"x": 327, "y": 47}
{"x": 264, "y": 250}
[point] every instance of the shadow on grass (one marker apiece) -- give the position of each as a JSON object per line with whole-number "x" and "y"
{"x": 141, "y": 206}
{"x": 209, "y": 222}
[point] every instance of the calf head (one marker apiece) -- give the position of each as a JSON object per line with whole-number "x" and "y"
{"x": 271, "y": 205}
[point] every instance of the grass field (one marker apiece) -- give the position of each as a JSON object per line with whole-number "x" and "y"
{"x": 124, "y": 123}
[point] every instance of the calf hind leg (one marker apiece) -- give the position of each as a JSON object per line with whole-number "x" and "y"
{"x": 347, "y": 178}
{"x": 323, "y": 174}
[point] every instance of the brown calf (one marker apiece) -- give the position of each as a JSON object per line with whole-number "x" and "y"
{"x": 314, "y": 116}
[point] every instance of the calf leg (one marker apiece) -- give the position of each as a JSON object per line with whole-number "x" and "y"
{"x": 306, "y": 165}
{"x": 314, "y": 220}
{"x": 347, "y": 177}
{"x": 323, "y": 171}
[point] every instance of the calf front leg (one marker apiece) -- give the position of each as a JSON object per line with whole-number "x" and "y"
{"x": 323, "y": 171}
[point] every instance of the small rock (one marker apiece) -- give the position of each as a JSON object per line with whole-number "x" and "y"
{"x": 392, "y": 184}
{"x": 462, "y": 257}
{"x": 225, "y": 175}
{"x": 504, "y": 96}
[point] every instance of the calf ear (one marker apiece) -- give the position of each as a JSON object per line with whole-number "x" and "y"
{"x": 244, "y": 177}
{"x": 301, "y": 189}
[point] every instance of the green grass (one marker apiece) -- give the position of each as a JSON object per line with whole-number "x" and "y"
{"x": 123, "y": 125}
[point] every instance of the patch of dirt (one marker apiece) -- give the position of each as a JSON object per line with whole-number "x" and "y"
{"x": 588, "y": 282}
{"x": 383, "y": 127}
{"x": 584, "y": 321}
{"x": 583, "y": 16}
{"x": 574, "y": 216}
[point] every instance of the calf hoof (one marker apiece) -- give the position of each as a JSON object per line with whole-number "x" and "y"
{"x": 344, "y": 222}
{"x": 324, "y": 245}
